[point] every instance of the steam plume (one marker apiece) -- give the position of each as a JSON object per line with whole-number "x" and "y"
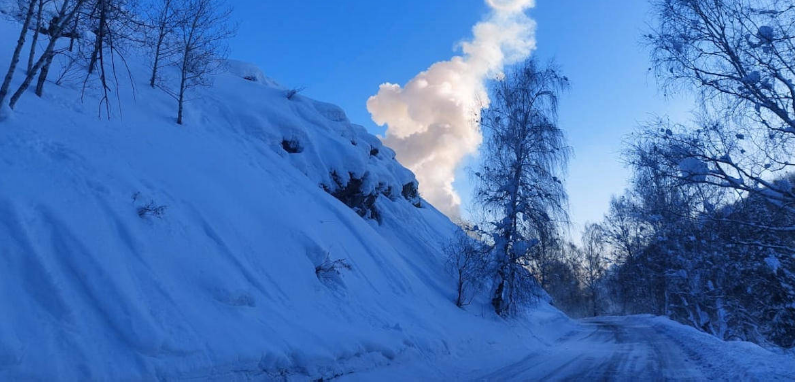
{"x": 431, "y": 120}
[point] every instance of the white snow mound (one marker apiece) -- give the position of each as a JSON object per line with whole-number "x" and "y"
{"x": 132, "y": 248}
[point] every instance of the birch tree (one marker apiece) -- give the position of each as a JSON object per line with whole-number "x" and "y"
{"x": 12, "y": 67}
{"x": 202, "y": 34}
{"x": 520, "y": 182}
{"x": 164, "y": 19}
{"x": 67, "y": 10}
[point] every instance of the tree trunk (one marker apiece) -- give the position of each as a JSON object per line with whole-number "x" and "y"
{"x": 32, "y": 55}
{"x": 460, "y": 300}
{"x": 182, "y": 85}
{"x": 183, "y": 82}
{"x": 73, "y": 35}
{"x": 15, "y": 57}
{"x": 98, "y": 42}
{"x": 498, "y": 301}
{"x": 45, "y": 70}
{"x": 153, "y": 80}
{"x": 63, "y": 19}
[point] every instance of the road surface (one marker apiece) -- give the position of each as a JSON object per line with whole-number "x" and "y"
{"x": 610, "y": 349}
{"x": 628, "y": 348}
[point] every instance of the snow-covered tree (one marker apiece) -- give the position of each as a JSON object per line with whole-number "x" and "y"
{"x": 736, "y": 56}
{"x": 519, "y": 184}
{"x": 700, "y": 254}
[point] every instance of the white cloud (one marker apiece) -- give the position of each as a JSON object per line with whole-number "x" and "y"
{"x": 430, "y": 120}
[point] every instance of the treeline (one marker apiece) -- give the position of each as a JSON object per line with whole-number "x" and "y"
{"x": 91, "y": 40}
{"x": 706, "y": 232}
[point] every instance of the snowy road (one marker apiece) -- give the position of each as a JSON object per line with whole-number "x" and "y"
{"x": 625, "y": 349}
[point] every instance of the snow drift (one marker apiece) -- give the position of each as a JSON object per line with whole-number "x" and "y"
{"x": 134, "y": 248}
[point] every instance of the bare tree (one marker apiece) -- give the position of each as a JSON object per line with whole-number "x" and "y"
{"x": 115, "y": 26}
{"x": 12, "y": 67}
{"x": 622, "y": 229}
{"x": 564, "y": 280}
{"x": 202, "y": 35}
{"x": 37, "y": 30}
{"x": 466, "y": 259}
{"x": 164, "y": 19}
{"x": 520, "y": 182}
{"x": 593, "y": 262}
{"x": 54, "y": 33}
{"x": 65, "y": 15}
{"x": 737, "y": 56}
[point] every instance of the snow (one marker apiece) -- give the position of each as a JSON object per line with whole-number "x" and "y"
{"x": 732, "y": 360}
{"x": 249, "y": 72}
{"x": 629, "y": 348}
{"x": 766, "y": 33}
{"x": 773, "y": 262}
{"x": 222, "y": 284}
{"x": 752, "y": 77}
{"x": 694, "y": 168}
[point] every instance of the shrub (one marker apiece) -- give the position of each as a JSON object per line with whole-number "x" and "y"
{"x": 330, "y": 269}
{"x": 148, "y": 209}
{"x": 291, "y": 93}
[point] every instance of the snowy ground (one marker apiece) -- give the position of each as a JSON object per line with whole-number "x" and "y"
{"x": 644, "y": 348}
{"x": 632, "y": 348}
{"x": 223, "y": 284}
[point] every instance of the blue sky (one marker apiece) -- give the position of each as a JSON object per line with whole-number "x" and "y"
{"x": 341, "y": 51}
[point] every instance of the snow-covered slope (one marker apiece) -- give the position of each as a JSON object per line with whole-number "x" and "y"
{"x": 221, "y": 281}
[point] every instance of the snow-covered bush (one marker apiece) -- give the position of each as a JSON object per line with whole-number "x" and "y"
{"x": 331, "y": 270}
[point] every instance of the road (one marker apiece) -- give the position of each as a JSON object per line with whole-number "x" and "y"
{"x": 608, "y": 349}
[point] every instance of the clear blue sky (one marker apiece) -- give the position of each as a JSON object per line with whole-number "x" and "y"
{"x": 342, "y": 50}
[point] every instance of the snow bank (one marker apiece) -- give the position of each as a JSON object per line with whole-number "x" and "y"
{"x": 728, "y": 360}
{"x": 134, "y": 248}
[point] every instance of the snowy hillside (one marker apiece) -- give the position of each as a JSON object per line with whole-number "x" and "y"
{"x": 134, "y": 248}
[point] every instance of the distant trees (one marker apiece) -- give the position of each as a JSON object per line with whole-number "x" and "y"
{"x": 594, "y": 263}
{"x": 704, "y": 234}
{"x": 564, "y": 274}
{"x": 703, "y": 256}
{"x": 186, "y": 34}
{"x": 519, "y": 184}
